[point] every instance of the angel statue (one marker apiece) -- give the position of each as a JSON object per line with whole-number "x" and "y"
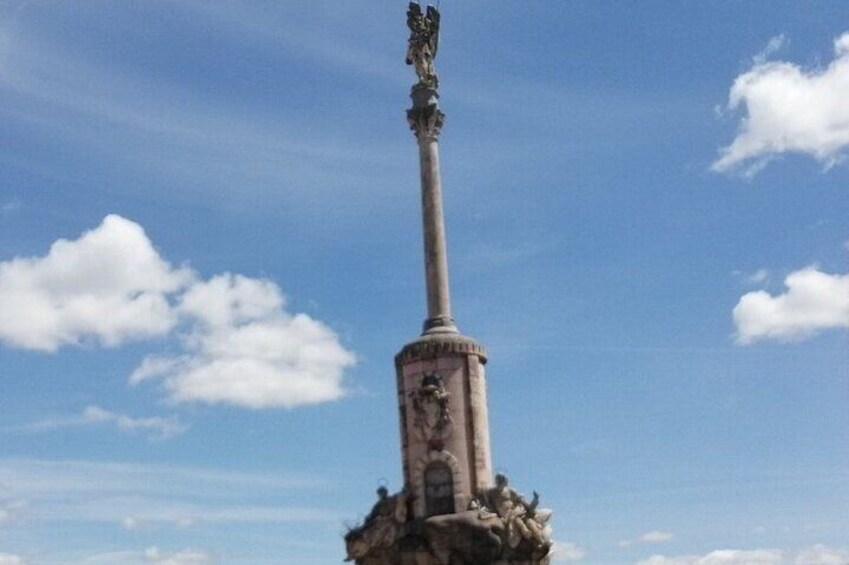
{"x": 424, "y": 41}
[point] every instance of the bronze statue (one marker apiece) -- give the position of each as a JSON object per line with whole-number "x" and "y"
{"x": 424, "y": 42}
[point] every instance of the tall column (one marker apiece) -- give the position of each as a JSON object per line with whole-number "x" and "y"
{"x": 425, "y": 119}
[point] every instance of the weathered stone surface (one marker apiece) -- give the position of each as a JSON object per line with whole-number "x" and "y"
{"x": 432, "y": 346}
{"x": 500, "y": 527}
{"x": 461, "y": 442}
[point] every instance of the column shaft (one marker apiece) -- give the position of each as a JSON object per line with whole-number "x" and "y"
{"x": 433, "y": 223}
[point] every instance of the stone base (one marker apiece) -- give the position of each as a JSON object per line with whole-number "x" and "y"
{"x": 453, "y": 539}
{"x": 425, "y": 558}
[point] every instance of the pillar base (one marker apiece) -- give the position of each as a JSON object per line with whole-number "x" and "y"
{"x": 439, "y": 325}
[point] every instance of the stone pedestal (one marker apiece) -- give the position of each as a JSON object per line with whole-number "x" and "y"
{"x": 444, "y": 424}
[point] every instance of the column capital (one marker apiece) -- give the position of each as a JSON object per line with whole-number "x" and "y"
{"x": 426, "y": 123}
{"x": 425, "y": 117}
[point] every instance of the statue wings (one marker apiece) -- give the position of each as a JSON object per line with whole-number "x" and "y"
{"x": 433, "y": 23}
{"x": 424, "y": 25}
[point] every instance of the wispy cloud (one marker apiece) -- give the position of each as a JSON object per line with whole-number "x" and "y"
{"x": 758, "y": 277}
{"x": 333, "y": 41}
{"x": 156, "y": 556}
{"x": 150, "y": 556}
{"x": 141, "y": 496}
{"x": 10, "y": 206}
{"x": 655, "y": 536}
{"x": 816, "y": 555}
{"x": 180, "y": 137}
{"x": 11, "y": 511}
{"x": 721, "y": 557}
{"x": 157, "y": 428}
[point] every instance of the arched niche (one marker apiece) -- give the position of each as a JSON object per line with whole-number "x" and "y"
{"x": 436, "y": 484}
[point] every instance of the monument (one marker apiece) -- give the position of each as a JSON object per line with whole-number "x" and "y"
{"x": 451, "y": 510}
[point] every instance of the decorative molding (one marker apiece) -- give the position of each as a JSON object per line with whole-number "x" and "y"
{"x": 431, "y": 347}
{"x": 426, "y": 121}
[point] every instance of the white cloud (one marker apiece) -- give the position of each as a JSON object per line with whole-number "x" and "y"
{"x": 565, "y": 551}
{"x": 758, "y": 277}
{"x": 186, "y": 557}
{"x": 720, "y": 557}
{"x": 814, "y": 301}
{"x": 150, "y": 556}
{"x": 823, "y": 555}
{"x": 157, "y": 428}
{"x": 245, "y": 349}
{"x": 816, "y": 555}
{"x": 109, "y": 285}
{"x": 9, "y": 559}
{"x": 133, "y": 523}
{"x": 241, "y": 346}
{"x": 656, "y": 537}
{"x": 161, "y": 428}
{"x": 773, "y": 45}
{"x": 789, "y": 110}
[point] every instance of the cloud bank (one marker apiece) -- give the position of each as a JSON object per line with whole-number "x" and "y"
{"x": 240, "y": 344}
{"x": 814, "y": 301}
{"x": 789, "y": 109}
{"x": 816, "y": 555}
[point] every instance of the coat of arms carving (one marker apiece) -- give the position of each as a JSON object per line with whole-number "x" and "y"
{"x": 432, "y": 413}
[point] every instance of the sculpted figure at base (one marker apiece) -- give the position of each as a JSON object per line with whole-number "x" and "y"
{"x": 524, "y": 523}
{"x": 500, "y": 527}
{"x": 380, "y": 529}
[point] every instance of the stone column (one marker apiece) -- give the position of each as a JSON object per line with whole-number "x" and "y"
{"x": 425, "y": 119}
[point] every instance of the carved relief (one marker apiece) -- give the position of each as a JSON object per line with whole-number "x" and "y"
{"x": 431, "y": 411}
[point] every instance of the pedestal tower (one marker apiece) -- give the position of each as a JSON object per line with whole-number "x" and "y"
{"x": 451, "y": 509}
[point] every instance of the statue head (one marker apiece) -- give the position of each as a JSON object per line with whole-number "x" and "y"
{"x": 382, "y": 492}
{"x": 500, "y": 480}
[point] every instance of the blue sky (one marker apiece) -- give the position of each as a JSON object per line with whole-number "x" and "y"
{"x": 646, "y": 210}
